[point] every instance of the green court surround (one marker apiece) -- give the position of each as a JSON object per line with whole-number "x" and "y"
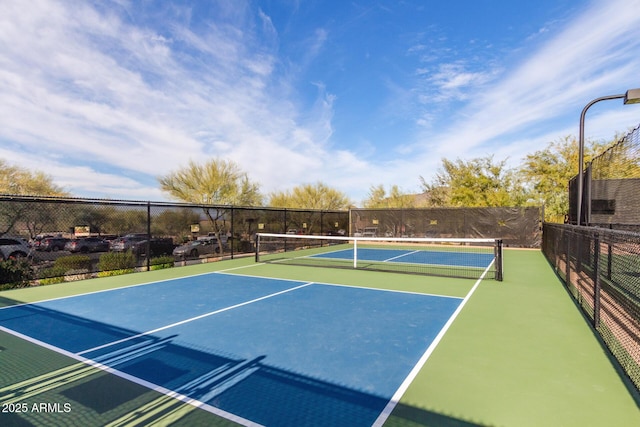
{"x": 519, "y": 354}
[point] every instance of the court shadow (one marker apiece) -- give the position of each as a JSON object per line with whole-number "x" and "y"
{"x": 227, "y": 387}
{"x": 257, "y": 391}
{"x": 411, "y": 416}
{"x": 6, "y": 302}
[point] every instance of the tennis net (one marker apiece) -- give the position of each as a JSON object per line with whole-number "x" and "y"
{"x": 465, "y": 258}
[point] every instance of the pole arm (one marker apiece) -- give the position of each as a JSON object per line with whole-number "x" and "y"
{"x": 581, "y": 149}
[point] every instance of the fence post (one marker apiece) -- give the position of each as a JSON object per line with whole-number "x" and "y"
{"x": 596, "y": 284}
{"x": 148, "y": 245}
{"x": 567, "y": 267}
{"x": 232, "y": 232}
{"x": 609, "y": 254}
{"x": 579, "y": 249}
{"x": 284, "y": 225}
{"x": 257, "y": 243}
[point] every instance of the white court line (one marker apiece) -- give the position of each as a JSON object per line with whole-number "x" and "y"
{"x": 131, "y": 286}
{"x": 386, "y": 412}
{"x": 395, "y": 291}
{"x": 107, "y": 290}
{"x": 345, "y": 285}
{"x": 182, "y": 322}
{"x": 401, "y": 255}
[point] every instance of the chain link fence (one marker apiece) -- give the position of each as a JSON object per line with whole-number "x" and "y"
{"x": 601, "y": 269}
{"x": 69, "y": 239}
{"x": 517, "y": 227}
{"x": 611, "y": 186}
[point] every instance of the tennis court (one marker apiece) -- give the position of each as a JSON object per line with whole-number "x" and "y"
{"x": 466, "y": 258}
{"x": 240, "y": 342}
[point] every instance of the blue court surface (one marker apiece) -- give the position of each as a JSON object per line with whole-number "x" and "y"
{"x": 254, "y": 350}
{"x": 423, "y": 257}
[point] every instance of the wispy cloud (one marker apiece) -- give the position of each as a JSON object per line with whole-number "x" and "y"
{"x": 593, "y": 55}
{"x": 79, "y": 83}
{"x": 538, "y": 100}
{"x": 451, "y": 81}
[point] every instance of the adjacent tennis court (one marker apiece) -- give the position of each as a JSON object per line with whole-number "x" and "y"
{"x": 416, "y": 256}
{"x": 448, "y": 257}
{"x": 284, "y": 345}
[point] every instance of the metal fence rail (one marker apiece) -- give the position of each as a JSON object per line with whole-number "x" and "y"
{"x": 149, "y": 233}
{"x": 601, "y": 269}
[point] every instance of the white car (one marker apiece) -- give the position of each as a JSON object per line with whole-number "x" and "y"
{"x": 14, "y": 247}
{"x": 370, "y": 232}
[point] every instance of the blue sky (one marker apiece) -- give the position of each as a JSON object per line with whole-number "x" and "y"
{"x": 105, "y": 96}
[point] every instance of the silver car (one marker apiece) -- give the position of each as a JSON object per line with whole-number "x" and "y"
{"x": 127, "y": 242}
{"x": 197, "y": 247}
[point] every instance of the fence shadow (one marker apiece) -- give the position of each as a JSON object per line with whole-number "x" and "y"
{"x": 222, "y": 385}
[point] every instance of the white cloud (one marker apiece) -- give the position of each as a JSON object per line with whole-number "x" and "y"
{"x": 453, "y": 79}
{"x": 83, "y": 84}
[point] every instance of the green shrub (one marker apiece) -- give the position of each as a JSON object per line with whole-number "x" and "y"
{"x": 116, "y": 263}
{"x": 73, "y": 262}
{"x": 15, "y": 273}
{"x": 116, "y": 272}
{"x": 52, "y": 280}
{"x": 52, "y": 275}
{"x": 161, "y": 262}
{"x": 65, "y": 266}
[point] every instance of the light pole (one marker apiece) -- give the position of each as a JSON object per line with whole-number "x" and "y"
{"x": 632, "y": 96}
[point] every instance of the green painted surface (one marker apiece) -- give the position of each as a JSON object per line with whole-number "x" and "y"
{"x": 519, "y": 354}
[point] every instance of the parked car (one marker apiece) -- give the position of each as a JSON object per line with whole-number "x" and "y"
{"x": 52, "y": 244}
{"x": 36, "y": 241}
{"x": 198, "y": 247}
{"x": 370, "y": 232}
{"x": 14, "y": 247}
{"x": 124, "y": 243}
{"x": 157, "y": 246}
{"x": 87, "y": 244}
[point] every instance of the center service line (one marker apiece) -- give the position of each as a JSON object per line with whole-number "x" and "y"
{"x": 192, "y": 319}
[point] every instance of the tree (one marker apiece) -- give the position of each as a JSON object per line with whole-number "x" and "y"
{"x": 20, "y": 181}
{"x": 549, "y": 171}
{"x": 378, "y": 198}
{"x": 619, "y": 161}
{"x": 317, "y": 196}
{"x": 310, "y": 196}
{"x": 174, "y": 222}
{"x": 217, "y": 181}
{"x": 216, "y": 184}
{"x": 478, "y": 182}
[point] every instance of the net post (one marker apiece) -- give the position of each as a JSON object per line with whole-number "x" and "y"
{"x": 148, "y": 243}
{"x": 499, "y": 261}
{"x": 355, "y": 253}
